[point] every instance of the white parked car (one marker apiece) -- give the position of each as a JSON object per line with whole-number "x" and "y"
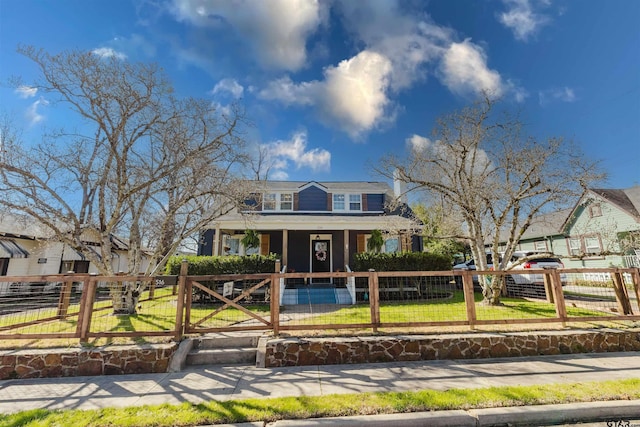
{"x": 471, "y": 265}
{"x": 531, "y": 284}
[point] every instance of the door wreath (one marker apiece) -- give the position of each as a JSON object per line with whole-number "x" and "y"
{"x": 321, "y": 255}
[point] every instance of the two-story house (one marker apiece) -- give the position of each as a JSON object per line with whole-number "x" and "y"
{"x": 601, "y": 230}
{"x": 315, "y": 226}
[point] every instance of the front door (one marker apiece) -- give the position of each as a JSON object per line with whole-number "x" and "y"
{"x": 321, "y": 256}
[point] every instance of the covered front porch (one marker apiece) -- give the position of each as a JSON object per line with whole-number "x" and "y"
{"x": 311, "y": 244}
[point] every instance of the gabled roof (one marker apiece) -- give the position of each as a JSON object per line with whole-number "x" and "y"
{"x": 547, "y": 225}
{"x": 374, "y": 187}
{"x": 628, "y": 200}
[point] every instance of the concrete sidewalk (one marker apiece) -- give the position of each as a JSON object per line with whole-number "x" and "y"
{"x": 238, "y": 382}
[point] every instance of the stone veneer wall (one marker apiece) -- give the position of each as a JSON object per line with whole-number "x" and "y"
{"x": 44, "y": 363}
{"x": 328, "y": 351}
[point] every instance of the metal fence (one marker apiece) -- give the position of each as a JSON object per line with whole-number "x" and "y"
{"x": 83, "y": 307}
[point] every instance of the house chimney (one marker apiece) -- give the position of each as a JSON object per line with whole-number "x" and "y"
{"x": 399, "y": 187}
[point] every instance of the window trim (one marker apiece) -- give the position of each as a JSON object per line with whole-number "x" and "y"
{"x": 346, "y": 202}
{"x": 242, "y": 251}
{"x": 582, "y": 246}
{"x": 544, "y": 243}
{"x": 277, "y": 202}
{"x": 595, "y": 210}
{"x": 383, "y": 249}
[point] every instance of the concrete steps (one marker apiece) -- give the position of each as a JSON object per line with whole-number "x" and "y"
{"x": 221, "y": 349}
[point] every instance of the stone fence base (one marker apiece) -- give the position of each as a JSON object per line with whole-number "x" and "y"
{"x": 330, "y": 351}
{"x": 44, "y": 363}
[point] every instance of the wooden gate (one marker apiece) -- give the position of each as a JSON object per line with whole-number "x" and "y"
{"x": 229, "y": 303}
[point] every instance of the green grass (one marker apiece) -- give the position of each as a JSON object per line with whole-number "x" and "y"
{"x": 159, "y": 314}
{"x": 442, "y": 310}
{"x": 272, "y": 409}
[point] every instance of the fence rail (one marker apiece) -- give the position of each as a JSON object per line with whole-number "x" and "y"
{"x": 83, "y": 307}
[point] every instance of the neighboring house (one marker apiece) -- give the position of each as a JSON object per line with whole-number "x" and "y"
{"x": 602, "y": 230}
{"x": 26, "y": 250}
{"x": 315, "y": 226}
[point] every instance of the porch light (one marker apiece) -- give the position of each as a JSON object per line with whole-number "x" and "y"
{"x": 317, "y": 237}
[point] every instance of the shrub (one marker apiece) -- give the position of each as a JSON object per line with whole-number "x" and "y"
{"x": 234, "y": 264}
{"x": 405, "y": 261}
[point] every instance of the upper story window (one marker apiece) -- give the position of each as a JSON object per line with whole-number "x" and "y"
{"x": 277, "y": 202}
{"x": 347, "y": 202}
{"x": 355, "y": 202}
{"x": 595, "y": 210}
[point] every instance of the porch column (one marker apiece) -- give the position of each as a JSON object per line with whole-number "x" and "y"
{"x": 216, "y": 241}
{"x": 346, "y": 247}
{"x": 285, "y": 247}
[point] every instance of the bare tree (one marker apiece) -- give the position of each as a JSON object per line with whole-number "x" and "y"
{"x": 494, "y": 177}
{"x": 142, "y": 163}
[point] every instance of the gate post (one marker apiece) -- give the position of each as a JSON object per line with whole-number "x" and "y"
{"x": 182, "y": 281}
{"x": 86, "y": 307}
{"x": 374, "y": 299}
{"x": 65, "y": 297}
{"x": 561, "y": 306}
{"x": 622, "y": 295}
{"x": 275, "y": 303}
{"x": 469, "y": 298}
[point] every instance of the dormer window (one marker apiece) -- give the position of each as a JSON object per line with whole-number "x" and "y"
{"x": 355, "y": 202}
{"x": 277, "y": 202}
{"x": 347, "y": 202}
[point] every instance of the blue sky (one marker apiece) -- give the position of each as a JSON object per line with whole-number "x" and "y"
{"x": 331, "y": 86}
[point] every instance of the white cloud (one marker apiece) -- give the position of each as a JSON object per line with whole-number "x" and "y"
{"x": 464, "y": 70}
{"x": 522, "y": 18}
{"x": 33, "y": 115}
{"x": 422, "y": 146}
{"x": 26, "y": 91}
{"x": 413, "y": 42}
{"x": 281, "y": 153}
{"x": 352, "y": 96}
{"x": 107, "y": 52}
{"x": 230, "y": 86}
{"x": 409, "y": 41}
{"x": 276, "y": 29}
{"x": 417, "y": 143}
{"x": 564, "y": 94}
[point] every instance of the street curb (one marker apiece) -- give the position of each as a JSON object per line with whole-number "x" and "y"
{"x": 561, "y": 413}
{"x": 513, "y": 416}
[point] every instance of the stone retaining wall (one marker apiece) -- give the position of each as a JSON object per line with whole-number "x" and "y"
{"x": 329, "y": 351}
{"x": 44, "y": 363}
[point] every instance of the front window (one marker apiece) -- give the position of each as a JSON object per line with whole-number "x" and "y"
{"x": 585, "y": 245}
{"x": 574, "y": 246}
{"x": 540, "y": 245}
{"x": 390, "y": 245}
{"x": 595, "y": 210}
{"x": 338, "y": 202}
{"x": 592, "y": 245}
